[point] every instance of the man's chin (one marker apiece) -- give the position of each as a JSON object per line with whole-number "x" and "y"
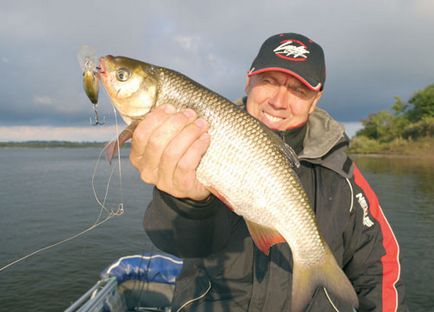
{"x": 272, "y": 125}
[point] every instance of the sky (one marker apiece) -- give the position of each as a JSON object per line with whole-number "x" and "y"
{"x": 375, "y": 50}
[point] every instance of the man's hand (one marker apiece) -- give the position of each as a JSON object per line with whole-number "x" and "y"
{"x": 166, "y": 149}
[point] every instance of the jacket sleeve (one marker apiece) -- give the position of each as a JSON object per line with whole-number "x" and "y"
{"x": 186, "y": 228}
{"x": 372, "y": 253}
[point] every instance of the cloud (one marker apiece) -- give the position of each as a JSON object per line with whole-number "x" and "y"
{"x": 48, "y": 104}
{"x": 189, "y": 43}
{"x": 375, "y": 50}
{"x": 43, "y": 100}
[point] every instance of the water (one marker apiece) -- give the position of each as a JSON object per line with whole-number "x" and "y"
{"x": 405, "y": 189}
{"x": 46, "y": 196}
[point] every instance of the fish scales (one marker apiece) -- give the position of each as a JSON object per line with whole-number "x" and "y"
{"x": 246, "y": 165}
{"x": 255, "y": 163}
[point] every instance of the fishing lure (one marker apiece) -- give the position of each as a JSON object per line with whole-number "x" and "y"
{"x": 88, "y": 63}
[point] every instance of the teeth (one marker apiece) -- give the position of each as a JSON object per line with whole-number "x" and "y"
{"x": 272, "y": 118}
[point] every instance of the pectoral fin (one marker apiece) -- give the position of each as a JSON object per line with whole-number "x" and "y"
{"x": 112, "y": 147}
{"x": 264, "y": 237}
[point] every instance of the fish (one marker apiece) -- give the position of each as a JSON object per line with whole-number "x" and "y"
{"x": 247, "y": 166}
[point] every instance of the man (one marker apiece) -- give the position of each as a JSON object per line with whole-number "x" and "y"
{"x": 223, "y": 269}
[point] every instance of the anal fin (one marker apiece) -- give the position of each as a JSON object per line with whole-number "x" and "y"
{"x": 264, "y": 237}
{"x": 221, "y": 198}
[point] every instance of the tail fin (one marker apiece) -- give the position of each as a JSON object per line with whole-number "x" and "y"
{"x": 327, "y": 274}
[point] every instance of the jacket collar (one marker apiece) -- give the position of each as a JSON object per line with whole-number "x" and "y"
{"x": 326, "y": 143}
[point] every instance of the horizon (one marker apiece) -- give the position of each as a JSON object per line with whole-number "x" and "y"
{"x": 93, "y": 134}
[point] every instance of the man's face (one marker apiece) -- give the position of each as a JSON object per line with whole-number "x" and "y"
{"x": 279, "y": 100}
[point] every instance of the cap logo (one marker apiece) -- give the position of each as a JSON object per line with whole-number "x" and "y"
{"x": 293, "y": 50}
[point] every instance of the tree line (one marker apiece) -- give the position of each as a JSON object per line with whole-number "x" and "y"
{"x": 406, "y": 121}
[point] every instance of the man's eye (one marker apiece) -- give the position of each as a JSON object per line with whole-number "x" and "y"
{"x": 268, "y": 81}
{"x": 300, "y": 90}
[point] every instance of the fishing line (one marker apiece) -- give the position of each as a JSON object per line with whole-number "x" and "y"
{"x": 120, "y": 209}
{"x": 58, "y": 243}
{"x": 121, "y": 190}
{"x": 101, "y": 203}
{"x": 110, "y": 213}
{"x": 330, "y": 300}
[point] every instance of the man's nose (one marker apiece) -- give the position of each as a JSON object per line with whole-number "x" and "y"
{"x": 280, "y": 99}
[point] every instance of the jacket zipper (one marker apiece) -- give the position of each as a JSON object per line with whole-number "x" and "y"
{"x": 195, "y": 299}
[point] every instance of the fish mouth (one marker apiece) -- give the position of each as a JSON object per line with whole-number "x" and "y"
{"x": 102, "y": 66}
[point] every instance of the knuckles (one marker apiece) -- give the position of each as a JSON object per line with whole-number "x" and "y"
{"x": 154, "y": 143}
{"x": 133, "y": 160}
{"x": 138, "y": 135}
{"x": 146, "y": 177}
{"x": 170, "y": 154}
{"x": 156, "y": 133}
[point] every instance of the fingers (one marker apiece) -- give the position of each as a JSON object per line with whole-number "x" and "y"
{"x": 146, "y": 127}
{"x": 166, "y": 149}
{"x": 182, "y": 142}
{"x": 185, "y": 173}
{"x": 157, "y": 143}
{"x": 193, "y": 155}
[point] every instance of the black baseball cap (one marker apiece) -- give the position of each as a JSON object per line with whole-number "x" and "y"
{"x": 293, "y": 54}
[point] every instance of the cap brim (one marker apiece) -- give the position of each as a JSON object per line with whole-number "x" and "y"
{"x": 317, "y": 87}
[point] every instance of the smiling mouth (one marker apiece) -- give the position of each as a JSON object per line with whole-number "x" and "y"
{"x": 272, "y": 118}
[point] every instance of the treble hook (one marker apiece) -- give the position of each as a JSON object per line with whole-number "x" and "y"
{"x": 97, "y": 122}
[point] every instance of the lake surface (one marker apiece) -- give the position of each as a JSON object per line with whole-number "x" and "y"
{"x": 46, "y": 196}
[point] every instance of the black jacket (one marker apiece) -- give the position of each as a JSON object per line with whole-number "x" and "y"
{"x": 223, "y": 269}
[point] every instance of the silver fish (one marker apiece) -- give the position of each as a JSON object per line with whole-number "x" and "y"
{"x": 246, "y": 165}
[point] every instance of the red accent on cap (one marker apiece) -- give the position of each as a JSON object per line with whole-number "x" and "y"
{"x": 287, "y": 71}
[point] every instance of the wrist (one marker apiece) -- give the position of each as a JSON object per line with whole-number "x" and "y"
{"x": 198, "y": 202}
{"x": 189, "y": 208}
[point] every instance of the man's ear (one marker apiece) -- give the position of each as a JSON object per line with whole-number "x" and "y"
{"x": 315, "y": 101}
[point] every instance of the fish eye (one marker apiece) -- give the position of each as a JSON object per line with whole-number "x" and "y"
{"x": 122, "y": 74}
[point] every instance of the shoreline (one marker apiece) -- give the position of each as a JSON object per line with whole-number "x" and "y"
{"x": 50, "y": 144}
{"x": 393, "y": 155}
{"x": 418, "y": 153}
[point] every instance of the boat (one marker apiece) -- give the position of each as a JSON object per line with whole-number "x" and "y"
{"x": 133, "y": 283}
